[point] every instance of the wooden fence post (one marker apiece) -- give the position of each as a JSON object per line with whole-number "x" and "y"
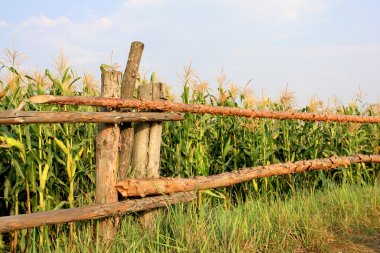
{"x": 107, "y": 155}
{"x": 147, "y": 145}
{"x": 127, "y": 89}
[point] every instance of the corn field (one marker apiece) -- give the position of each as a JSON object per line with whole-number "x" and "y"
{"x": 52, "y": 166}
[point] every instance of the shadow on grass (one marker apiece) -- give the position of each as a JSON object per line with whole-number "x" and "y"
{"x": 359, "y": 243}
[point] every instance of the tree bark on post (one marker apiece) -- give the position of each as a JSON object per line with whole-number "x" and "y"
{"x": 147, "y": 145}
{"x": 127, "y": 89}
{"x": 107, "y": 155}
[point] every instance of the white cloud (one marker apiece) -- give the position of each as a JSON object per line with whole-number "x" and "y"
{"x": 62, "y": 30}
{"x": 43, "y": 21}
{"x": 104, "y": 22}
{"x": 290, "y": 10}
{"x": 88, "y": 42}
{"x": 3, "y": 23}
{"x": 289, "y": 15}
{"x": 143, "y": 3}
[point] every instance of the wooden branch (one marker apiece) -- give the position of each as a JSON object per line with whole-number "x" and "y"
{"x": 12, "y": 223}
{"x": 127, "y": 89}
{"x": 153, "y": 186}
{"x": 29, "y": 117}
{"x": 216, "y": 110}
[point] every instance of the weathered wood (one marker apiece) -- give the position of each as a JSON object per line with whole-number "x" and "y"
{"x": 107, "y": 156}
{"x": 153, "y": 186}
{"x": 154, "y": 151}
{"x": 155, "y": 137}
{"x": 131, "y": 69}
{"x": 29, "y": 117}
{"x": 98, "y": 211}
{"x": 140, "y": 148}
{"x": 191, "y": 108}
{"x": 147, "y": 143}
{"x": 127, "y": 88}
{"x": 146, "y": 147}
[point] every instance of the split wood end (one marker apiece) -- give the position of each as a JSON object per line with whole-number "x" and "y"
{"x": 41, "y": 99}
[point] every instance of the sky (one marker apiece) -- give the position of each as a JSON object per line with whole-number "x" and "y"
{"x": 321, "y": 48}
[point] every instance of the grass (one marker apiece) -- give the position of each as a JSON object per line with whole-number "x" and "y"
{"x": 343, "y": 218}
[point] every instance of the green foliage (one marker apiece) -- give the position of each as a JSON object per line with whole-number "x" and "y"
{"x": 42, "y": 167}
{"x": 52, "y": 166}
{"x": 206, "y": 144}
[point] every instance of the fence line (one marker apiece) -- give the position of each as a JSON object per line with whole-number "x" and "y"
{"x": 196, "y": 108}
{"x": 181, "y": 190}
{"x": 153, "y": 186}
{"x": 120, "y": 155}
{"x": 28, "y": 117}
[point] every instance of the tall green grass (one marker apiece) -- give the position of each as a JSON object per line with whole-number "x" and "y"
{"x": 333, "y": 219}
{"x": 52, "y": 166}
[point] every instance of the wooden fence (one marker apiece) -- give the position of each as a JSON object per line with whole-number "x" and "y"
{"x": 120, "y": 147}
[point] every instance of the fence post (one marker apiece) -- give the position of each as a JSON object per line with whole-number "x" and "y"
{"x": 127, "y": 89}
{"x": 107, "y": 155}
{"x": 147, "y": 145}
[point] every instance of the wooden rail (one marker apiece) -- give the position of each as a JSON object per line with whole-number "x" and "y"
{"x": 194, "y": 108}
{"x": 29, "y": 117}
{"x": 12, "y": 223}
{"x": 154, "y": 186}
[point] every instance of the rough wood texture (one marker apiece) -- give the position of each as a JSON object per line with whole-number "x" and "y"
{"x": 155, "y": 137}
{"x": 127, "y": 89}
{"x": 147, "y": 140}
{"x": 147, "y": 146}
{"x": 107, "y": 156}
{"x": 12, "y": 223}
{"x": 216, "y": 110}
{"x": 153, "y": 186}
{"x": 131, "y": 70}
{"x": 20, "y": 117}
{"x": 140, "y": 149}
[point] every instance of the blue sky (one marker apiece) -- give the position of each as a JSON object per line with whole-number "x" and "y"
{"x": 316, "y": 47}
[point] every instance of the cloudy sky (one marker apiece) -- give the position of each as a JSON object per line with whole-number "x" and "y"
{"x": 316, "y": 47}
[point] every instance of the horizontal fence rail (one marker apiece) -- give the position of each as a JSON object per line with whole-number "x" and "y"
{"x": 193, "y": 108}
{"x": 28, "y": 117}
{"x": 12, "y": 223}
{"x": 154, "y": 186}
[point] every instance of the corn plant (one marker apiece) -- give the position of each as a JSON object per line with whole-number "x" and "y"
{"x": 52, "y": 166}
